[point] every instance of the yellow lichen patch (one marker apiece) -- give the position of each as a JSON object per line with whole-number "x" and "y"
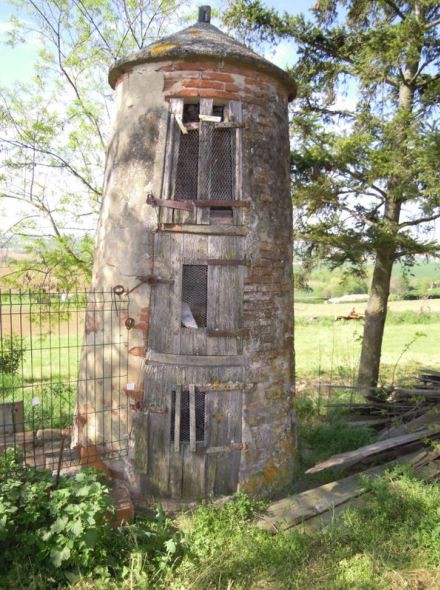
{"x": 162, "y": 48}
{"x": 195, "y": 31}
{"x": 270, "y": 472}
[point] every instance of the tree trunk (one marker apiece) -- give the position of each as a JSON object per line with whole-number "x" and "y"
{"x": 375, "y": 316}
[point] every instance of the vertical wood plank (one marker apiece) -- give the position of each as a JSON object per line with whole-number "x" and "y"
{"x": 177, "y": 411}
{"x": 171, "y": 156}
{"x": 235, "y": 114}
{"x": 205, "y": 142}
{"x": 225, "y": 294}
{"x": 176, "y": 459}
{"x": 192, "y": 418}
{"x": 172, "y": 323}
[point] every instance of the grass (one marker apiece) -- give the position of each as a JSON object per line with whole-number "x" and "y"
{"x": 389, "y": 542}
{"x": 329, "y": 350}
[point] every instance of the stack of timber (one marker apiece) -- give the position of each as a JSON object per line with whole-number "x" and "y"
{"x": 318, "y": 506}
{"x": 410, "y": 434}
{"x": 395, "y": 410}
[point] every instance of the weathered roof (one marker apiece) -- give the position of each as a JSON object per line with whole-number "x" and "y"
{"x": 201, "y": 40}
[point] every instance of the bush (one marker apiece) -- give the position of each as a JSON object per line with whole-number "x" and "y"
{"x": 52, "y": 535}
{"x": 11, "y": 354}
{"x": 60, "y": 530}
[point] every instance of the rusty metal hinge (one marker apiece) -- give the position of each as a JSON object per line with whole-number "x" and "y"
{"x": 185, "y": 205}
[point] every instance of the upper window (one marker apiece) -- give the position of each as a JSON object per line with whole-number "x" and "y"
{"x": 205, "y": 156}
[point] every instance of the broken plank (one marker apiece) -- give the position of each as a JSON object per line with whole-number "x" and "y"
{"x": 288, "y": 512}
{"x": 352, "y": 457}
{"x": 430, "y": 417}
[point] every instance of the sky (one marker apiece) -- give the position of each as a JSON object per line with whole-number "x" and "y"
{"x": 17, "y": 63}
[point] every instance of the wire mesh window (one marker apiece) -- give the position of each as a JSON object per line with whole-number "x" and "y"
{"x": 185, "y": 416}
{"x": 187, "y": 166}
{"x": 220, "y": 172}
{"x": 222, "y": 165}
{"x": 194, "y": 295}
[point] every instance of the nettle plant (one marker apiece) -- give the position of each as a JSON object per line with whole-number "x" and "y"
{"x": 63, "y": 530}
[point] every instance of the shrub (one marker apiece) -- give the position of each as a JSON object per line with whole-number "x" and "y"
{"x": 11, "y": 354}
{"x": 61, "y": 530}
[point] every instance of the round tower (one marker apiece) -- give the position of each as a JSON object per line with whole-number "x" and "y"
{"x": 195, "y": 244}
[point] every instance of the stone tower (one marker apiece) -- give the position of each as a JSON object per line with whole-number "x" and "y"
{"x": 196, "y": 227}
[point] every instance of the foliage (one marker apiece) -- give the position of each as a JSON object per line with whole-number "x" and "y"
{"x": 54, "y": 127}
{"x": 62, "y": 532}
{"x": 11, "y": 354}
{"x": 357, "y": 550}
{"x": 61, "y": 529}
{"x": 366, "y": 182}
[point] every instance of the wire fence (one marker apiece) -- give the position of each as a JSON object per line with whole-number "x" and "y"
{"x": 45, "y": 364}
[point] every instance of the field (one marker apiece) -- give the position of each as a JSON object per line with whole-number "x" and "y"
{"x": 329, "y": 350}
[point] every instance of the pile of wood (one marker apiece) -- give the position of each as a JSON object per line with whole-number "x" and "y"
{"x": 409, "y": 423}
{"x": 395, "y": 411}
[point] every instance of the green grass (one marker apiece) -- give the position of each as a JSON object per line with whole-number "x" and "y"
{"x": 48, "y": 371}
{"x": 329, "y": 350}
{"x": 376, "y": 546}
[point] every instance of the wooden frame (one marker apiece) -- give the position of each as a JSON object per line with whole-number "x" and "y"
{"x": 200, "y": 215}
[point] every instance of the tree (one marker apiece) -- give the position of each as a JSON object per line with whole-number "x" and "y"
{"x": 53, "y": 128}
{"x": 366, "y": 142}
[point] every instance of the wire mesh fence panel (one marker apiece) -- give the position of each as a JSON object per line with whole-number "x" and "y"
{"x": 41, "y": 346}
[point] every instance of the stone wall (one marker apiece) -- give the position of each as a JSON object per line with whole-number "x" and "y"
{"x": 124, "y": 246}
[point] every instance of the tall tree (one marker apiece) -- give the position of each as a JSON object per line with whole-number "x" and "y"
{"x": 54, "y": 127}
{"x": 365, "y": 136}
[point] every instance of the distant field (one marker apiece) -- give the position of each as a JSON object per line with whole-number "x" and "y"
{"x": 330, "y": 351}
{"x": 335, "y": 309}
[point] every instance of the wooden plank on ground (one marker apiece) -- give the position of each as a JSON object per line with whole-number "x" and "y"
{"x": 288, "y": 512}
{"x": 430, "y": 417}
{"x": 352, "y": 457}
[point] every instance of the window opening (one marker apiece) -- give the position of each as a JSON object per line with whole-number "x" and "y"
{"x": 222, "y": 179}
{"x": 185, "y": 416}
{"x": 191, "y": 113}
{"x": 187, "y": 170}
{"x": 194, "y": 295}
{"x": 218, "y": 111}
{"x": 219, "y": 179}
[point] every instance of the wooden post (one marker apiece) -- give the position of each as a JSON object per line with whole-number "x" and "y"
{"x": 192, "y": 418}
{"x": 177, "y": 411}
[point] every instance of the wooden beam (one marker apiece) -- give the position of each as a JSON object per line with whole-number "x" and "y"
{"x": 243, "y": 333}
{"x": 212, "y": 230}
{"x": 182, "y": 360}
{"x": 288, "y": 512}
{"x": 227, "y": 262}
{"x": 353, "y": 457}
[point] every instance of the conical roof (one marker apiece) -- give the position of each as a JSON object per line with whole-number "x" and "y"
{"x": 201, "y": 41}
